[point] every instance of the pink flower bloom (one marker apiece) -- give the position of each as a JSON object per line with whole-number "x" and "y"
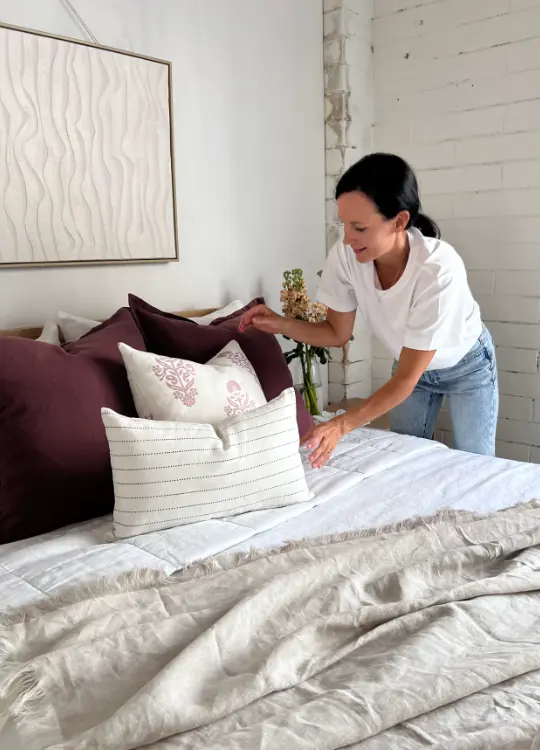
{"x": 179, "y": 376}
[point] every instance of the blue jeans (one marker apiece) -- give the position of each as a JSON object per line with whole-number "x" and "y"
{"x": 472, "y": 394}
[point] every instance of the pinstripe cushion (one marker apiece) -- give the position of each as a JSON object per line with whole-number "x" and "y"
{"x": 173, "y": 473}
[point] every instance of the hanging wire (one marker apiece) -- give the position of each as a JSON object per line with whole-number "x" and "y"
{"x": 80, "y": 20}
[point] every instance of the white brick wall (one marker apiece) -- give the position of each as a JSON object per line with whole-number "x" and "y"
{"x": 457, "y": 93}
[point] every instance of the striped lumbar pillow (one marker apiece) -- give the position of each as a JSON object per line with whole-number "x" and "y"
{"x": 173, "y": 473}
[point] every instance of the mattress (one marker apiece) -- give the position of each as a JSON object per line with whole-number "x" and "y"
{"x": 374, "y": 479}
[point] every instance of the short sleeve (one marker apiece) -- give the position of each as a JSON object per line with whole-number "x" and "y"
{"x": 336, "y": 290}
{"x": 436, "y": 318}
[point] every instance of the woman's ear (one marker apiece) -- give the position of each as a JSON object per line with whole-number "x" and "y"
{"x": 402, "y": 221}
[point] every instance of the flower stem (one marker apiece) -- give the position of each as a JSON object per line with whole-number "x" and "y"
{"x": 310, "y": 393}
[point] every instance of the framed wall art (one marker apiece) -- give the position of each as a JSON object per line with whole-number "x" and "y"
{"x": 86, "y": 154}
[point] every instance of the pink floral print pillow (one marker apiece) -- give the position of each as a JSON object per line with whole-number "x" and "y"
{"x": 168, "y": 389}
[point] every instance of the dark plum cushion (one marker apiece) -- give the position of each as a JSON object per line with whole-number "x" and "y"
{"x": 55, "y": 466}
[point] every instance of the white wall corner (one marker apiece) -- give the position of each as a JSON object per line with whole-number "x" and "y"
{"x": 348, "y": 80}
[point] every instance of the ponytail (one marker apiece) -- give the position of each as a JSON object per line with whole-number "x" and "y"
{"x": 426, "y": 226}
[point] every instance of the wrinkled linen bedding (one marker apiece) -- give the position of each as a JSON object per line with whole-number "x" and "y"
{"x": 375, "y": 478}
{"x": 421, "y": 634}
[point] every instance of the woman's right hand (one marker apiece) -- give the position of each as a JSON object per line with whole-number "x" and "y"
{"x": 263, "y": 319}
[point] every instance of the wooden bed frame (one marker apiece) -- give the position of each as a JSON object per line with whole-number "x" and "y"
{"x": 34, "y": 332}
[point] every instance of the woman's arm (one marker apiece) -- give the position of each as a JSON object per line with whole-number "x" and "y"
{"x": 336, "y": 330}
{"x": 324, "y": 438}
{"x": 411, "y": 366}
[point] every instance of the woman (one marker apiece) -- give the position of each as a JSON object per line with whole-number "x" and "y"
{"x": 411, "y": 289}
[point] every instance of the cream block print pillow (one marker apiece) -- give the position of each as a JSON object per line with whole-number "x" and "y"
{"x": 174, "y": 473}
{"x": 178, "y": 390}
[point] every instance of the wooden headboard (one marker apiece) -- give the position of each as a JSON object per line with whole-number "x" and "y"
{"x": 34, "y": 332}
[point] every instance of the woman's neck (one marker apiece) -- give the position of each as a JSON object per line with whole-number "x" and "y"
{"x": 391, "y": 265}
{"x": 398, "y": 255}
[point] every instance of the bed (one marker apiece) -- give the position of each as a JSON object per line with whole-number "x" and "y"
{"x": 378, "y": 492}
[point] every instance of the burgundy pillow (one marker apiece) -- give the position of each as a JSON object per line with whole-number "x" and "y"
{"x": 55, "y": 466}
{"x": 171, "y": 336}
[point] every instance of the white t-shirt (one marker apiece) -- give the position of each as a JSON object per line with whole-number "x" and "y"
{"x": 430, "y": 308}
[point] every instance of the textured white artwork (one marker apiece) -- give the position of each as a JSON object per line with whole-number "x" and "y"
{"x": 86, "y": 158}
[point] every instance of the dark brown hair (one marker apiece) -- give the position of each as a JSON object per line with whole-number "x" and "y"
{"x": 388, "y": 181}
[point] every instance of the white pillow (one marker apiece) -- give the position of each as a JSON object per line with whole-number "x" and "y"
{"x": 223, "y": 312}
{"x": 172, "y": 473}
{"x": 184, "y": 391}
{"x": 73, "y": 327}
{"x": 49, "y": 334}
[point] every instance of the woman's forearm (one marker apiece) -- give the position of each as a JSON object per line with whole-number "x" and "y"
{"x": 381, "y": 402}
{"x": 313, "y": 334}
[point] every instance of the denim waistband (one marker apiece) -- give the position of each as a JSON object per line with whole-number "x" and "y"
{"x": 485, "y": 335}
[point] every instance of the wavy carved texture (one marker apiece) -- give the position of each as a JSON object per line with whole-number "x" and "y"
{"x": 85, "y": 154}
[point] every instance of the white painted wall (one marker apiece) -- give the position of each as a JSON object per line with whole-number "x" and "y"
{"x": 249, "y": 131}
{"x": 457, "y": 92}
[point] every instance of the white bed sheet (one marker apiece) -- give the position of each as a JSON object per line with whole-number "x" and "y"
{"x": 419, "y": 486}
{"x": 375, "y": 478}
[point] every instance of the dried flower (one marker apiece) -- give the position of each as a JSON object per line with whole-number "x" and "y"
{"x": 296, "y": 304}
{"x": 295, "y": 300}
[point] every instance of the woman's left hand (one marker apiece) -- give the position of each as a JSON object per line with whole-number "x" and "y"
{"x": 323, "y": 439}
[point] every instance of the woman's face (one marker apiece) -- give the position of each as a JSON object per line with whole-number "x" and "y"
{"x": 367, "y": 232}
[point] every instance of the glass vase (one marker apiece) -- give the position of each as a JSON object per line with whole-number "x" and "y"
{"x": 307, "y": 378}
